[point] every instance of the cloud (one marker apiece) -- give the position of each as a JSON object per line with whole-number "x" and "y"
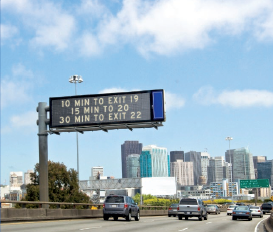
{"x": 16, "y": 88}
{"x": 235, "y": 98}
{"x": 172, "y": 101}
{"x": 8, "y": 31}
{"x": 162, "y": 27}
{"x": 27, "y": 119}
{"x": 52, "y": 25}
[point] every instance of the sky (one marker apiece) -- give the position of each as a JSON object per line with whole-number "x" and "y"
{"x": 214, "y": 59}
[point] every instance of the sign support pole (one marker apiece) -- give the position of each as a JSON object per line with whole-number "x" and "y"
{"x": 43, "y": 152}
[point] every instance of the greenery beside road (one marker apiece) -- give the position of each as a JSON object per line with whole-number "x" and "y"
{"x": 62, "y": 186}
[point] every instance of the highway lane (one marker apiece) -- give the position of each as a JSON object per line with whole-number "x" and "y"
{"x": 215, "y": 223}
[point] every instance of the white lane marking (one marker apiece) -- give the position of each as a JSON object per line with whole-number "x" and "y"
{"x": 208, "y": 222}
{"x": 183, "y": 229}
{"x": 85, "y": 229}
{"x": 256, "y": 228}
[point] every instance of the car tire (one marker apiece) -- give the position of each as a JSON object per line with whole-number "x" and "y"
{"x": 169, "y": 215}
{"x": 115, "y": 218}
{"x": 186, "y": 218}
{"x": 206, "y": 217}
{"x": 261, "y": 216}
{"x": 249, "y": 219}
{"x": 179, "y": 217}
{"x": 200, "y": 218}
{"x": 128, "y": 218}
{"x": 137, "y": 217}
{"x": 105, "y": 217}
{"x": 234, "y": 218}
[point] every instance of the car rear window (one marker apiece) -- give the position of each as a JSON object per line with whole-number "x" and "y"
{"x": 254, "y": 207}
{"x": 241, "y": 208}
{"x": 213, "y": 206}
{"x": 114, "y": 199}
{"x": 188, "y": 202}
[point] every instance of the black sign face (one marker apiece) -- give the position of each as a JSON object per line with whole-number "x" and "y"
{"x": 99, "y": 109}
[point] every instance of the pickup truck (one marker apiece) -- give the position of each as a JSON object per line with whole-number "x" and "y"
{"x": 189, "y": 207}
{"x": 266, "y": 207}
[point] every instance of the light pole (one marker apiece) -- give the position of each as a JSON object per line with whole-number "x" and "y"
{"x": 229, "y": 139}
{"x": 75, "y": 79}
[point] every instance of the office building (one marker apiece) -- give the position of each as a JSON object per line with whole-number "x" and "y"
{"x": 195, "y": 158}
{"x": 256, "y": 160}
{"x": 218, "y": 169}
{"x": 96, "y": 172}
{"x": 183, "y": 172}
{"x": 133, "y": 167}
{"x": 129, "y": 148}
{"x": 204, "y": 165}
{"x": 243, "y": 167}
{"x": 265, "y": 171}
{"x": 154, "y": 162}
{"x": 27, "y": 177}
{"x": 223, "y": 188}
{"x": 176, "y": 155}
{"x": 16, "y": 180}
{"x": 229, "y": 159}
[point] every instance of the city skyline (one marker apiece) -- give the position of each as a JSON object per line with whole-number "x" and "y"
{"x": 215, "y": 67}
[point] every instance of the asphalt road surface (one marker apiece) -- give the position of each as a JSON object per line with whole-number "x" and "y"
{"x": 215, "y": 223}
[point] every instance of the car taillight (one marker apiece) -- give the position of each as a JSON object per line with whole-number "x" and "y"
{"x": 177, "y": 207}
{"x": 103, "y": 205}
{"x": 233, "y": 212}
{"x": 259, "y": 210}
{"x": 247, "y": 213}
{"x": 198, "y": 208}
{"x": 170, "y": 208}
{"x": 125, "y": 206}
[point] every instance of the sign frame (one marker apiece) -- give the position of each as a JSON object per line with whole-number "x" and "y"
{"x": 156, "y": 118}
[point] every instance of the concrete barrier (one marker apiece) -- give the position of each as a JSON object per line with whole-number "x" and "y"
{"x": 13, "y": 215}
{"x": 268, "y": 223}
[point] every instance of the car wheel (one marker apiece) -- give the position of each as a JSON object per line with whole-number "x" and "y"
{"x": 128, "y": 218}
{"x": 169, "y": 215}
{"x": 137, "y": 217}
{"x": 179, "y": 217}
{"x": 234, "y": 218}
{"x": 261, "y": 216}
{"x": 115, "y": 218}
{"x": 200, "y": 218}
{"x": 186, "y": 218}
{"x": 249, "y": 219}
{"x": 206, "y": 217}
{"x": 105, "y": 218}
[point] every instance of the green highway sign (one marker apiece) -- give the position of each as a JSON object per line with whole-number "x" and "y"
{"x": 258, "y": 183}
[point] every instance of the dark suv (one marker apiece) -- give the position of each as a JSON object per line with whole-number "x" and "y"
{"x": 120, "y": 206}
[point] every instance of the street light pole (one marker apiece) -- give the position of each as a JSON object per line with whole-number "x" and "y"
{"x": 230, "y": 138}
{"x": 75, "y": 79}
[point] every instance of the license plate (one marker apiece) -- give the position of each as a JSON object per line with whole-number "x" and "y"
{"x": 188, "y": 212}
{"x": 174, "y": 209}
{"x": 240, "y": 213}
{"x": 114, "y": 206}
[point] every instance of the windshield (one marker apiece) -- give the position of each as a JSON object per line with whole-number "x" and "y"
{"x": 241, "y": 208}
{"x": 114, "y": 199}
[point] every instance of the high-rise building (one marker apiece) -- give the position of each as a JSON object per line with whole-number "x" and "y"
{"x": 229, "y": 159}
{"x": 265, "y": 171}
{"x": 133, "y": 167}
{"x": 27, "y": 177}
{"x": 183, "y": 171}
{"x": 154, "y": 162}
{"x": 195, "y": 158}
{"x": 243, "y": 167}
{"x": 128, "y": 148}
{"x": 16, "y": 179}
{"x": 256, "y": 160}
{"x": 176, "y": 155}
{"x": 96, "y": 172}
{"x": 205, "y": 156}
{"x": 218, "y": 169}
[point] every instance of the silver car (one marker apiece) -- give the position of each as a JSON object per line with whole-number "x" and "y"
{"x": 172, "y": 211}
{"x": 212, "y": 209}
{"x": 256, "y": 211}
{"x": 230, "y": 209}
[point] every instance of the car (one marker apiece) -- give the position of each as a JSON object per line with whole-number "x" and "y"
{"x": 212, "y": 209}
{"x": 230, "y": 209}
{"x": 256, "y": 211}
{"x": 266, "y": 207}
{"x": 172, "y": 210}
{"x": 241, "y": 212}
{"x": 240, "y": 203}
{"x": 120, "y": 206}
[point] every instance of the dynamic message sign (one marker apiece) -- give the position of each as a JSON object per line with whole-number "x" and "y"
{"x": 258, "y": 183}
{"x": 103, "y": 109}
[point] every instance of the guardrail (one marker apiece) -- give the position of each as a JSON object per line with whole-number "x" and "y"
{"x": 87, "y": 210}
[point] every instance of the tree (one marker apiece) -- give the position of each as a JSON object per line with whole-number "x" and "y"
{"x": 62, "y": 185}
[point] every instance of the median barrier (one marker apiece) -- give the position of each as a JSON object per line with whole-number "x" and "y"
{"x": 268, "y": 223}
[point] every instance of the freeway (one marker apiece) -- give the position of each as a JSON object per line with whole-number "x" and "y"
{"x": 215, "y": 223}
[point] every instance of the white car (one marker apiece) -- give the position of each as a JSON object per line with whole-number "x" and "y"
{"x": 256, "y": 211}
{"x": 230, "y": 209}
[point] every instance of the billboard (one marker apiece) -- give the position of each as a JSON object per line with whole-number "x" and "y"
{"x": 159, "y": 186}
{"x": 105, "y": 109}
